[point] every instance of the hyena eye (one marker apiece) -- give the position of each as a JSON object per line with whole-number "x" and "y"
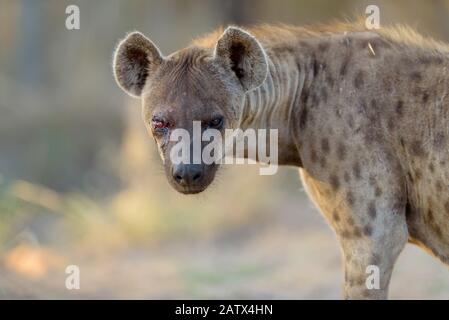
{"x": 216, "y": 123}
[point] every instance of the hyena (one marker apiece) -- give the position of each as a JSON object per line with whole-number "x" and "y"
{"x": 363, "y": 114}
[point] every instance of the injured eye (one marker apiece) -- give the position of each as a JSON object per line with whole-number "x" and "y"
{"x": 159, "y": 125}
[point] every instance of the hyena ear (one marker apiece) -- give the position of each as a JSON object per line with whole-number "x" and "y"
{"x": 135, "y": 58}
{"x": 244, "y": 55}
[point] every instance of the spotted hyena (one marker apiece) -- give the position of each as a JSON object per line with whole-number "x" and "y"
{"x": 363, "y": 114}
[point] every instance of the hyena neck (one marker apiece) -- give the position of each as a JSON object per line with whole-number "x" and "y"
{"x": 277, "y": 103}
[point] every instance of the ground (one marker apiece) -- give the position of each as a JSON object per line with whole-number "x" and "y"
{"x": 289, "y": 256}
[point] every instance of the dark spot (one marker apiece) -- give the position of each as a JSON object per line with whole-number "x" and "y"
{"x": 357, "y": 233}
{"x": 405, "y": 60}
{"x": 399, "y": 108}
{"x": 430, "y": 60}
{"x": 345, "y": 63}
{"x": 409, "y": 177}
{"x": 438, "y": 140}
{"x": 387, "y": 84}
{"x": 391, "y": 124}
{"x": 337, "y": 113}
{"x": 446, "y": 207}
{"x": 430, "y": 216}
{"x": 341, "y": 151}
{"x": 424, "y": 60}
{"x": 439, "y": 186}
{"x": 431, "y": 167}
{"x": 304, "y": 96}
{"x": 303, "y": 117}
{"x": 350, "y": 198}
{"x": 348, "y": 258}
{"x": 313, "y": 156}
{"x": 346, "y": 176}
{"x": 416, "y": 92}
{"x": 345, "y": 234}
{"x": 372, "y": 135}
{"x": 323, "y": 46}
{"x": 329, "y": 79}
{"x": 315, "y": 66}
{"x": 418, "y": 175}
{"x": 438, "y": 230}
{"x": 351, "y": 121}
{"x": 325, "y": 145}
{"x": 416, "y": 76}
{"x": 350, "y": 221}
{"x": 323, "y": 161}
{"x": 416, "y": 149}
{"x": 425, "y": 97}
{"x": 372, "y": 211}
{"x": 324, "y": 94}
{"x": 361, "y": 107}
{"x": 314, "y": 99}
{"x": 356, "y": 170}
{"x": 359, "y": 281}
{"x": 398, "y": 206}
{"x": 377, "y": 191}
{"x": 367, "y": 230}
{"x": 335, "y": 183}
{"x": 335, "y": 216}
{"x": 375, "y": 259}
{"x": 358, "y": 80}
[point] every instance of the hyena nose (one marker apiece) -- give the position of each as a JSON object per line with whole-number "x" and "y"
{"x": 187, "y": 174}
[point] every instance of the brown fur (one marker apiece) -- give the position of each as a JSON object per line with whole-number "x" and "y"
{"x": 364, "y": 114}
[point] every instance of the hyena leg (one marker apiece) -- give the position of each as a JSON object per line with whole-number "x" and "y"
{"x": 367, "y": 212}
{"x": 369, "y": 259}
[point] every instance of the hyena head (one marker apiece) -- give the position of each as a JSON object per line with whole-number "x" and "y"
{"x": 197, "y": 83}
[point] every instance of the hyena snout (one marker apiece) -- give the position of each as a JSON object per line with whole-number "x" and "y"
{"x": 188, "y": 174}
{"x": 191, "y": 178}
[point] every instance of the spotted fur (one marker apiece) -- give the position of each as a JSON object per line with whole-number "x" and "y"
{"x": 363, "y": 114}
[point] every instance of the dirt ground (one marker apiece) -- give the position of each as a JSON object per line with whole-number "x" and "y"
{"x": 276, "y": 258}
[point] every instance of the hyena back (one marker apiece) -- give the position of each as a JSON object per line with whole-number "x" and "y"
{"x": 363, "y": 114}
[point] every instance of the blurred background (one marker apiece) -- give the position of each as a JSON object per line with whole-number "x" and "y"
{"x": 81, "y": 183}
